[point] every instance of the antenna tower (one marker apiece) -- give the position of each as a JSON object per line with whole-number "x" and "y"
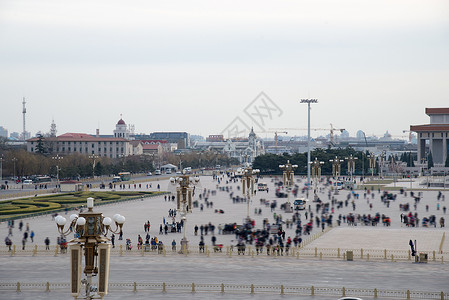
{"x": 24, "y": 111}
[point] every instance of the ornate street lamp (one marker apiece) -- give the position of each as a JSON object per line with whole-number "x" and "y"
{"x": 336, "y": 166}
{"x": 248, "y": 185}
{"x": 316, "y": 172}
{"x": 90, "y": 229}
{"x": 184, "y": 195}
{"x": 351, "y": 166}
{"x": 372, "y": 163}
{"x": 288, "y": 176}
{"x": 57, "y": 158}
{"x": 93, "y": 157}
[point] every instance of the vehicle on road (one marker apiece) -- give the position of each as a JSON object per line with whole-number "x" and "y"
{"x": 300, "y": 203}
{"x": 149, "y": 174}
{"x": 124, "y": 176}
{"x": 27, "y": 181}
{"x": 157, "y": 172}
{"x": 262, "y": 186}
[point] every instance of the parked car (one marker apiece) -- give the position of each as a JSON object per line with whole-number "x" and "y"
{"x": 149, "y": 174}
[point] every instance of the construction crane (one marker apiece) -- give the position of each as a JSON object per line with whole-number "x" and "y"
{"x": 331, "y": 129}
{"x": 410, "y": 135}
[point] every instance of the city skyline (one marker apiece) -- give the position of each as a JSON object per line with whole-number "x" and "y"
{"x": 199, "y": 66}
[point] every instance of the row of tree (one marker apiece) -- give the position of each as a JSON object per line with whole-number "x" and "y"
{"x": 20, "y": 163}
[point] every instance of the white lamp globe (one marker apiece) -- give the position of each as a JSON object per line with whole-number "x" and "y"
{"x": 107, "y": 221}
{"x": 81, "y": 221}
{"x": 60, "y": 220}
{"x": 121, "y": 219}
{"x": 73, "y": 217}
{"x": 172, "y": 180}
{"x": 114, "y": 217}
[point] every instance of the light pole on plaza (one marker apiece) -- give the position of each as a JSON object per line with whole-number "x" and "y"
{"x": 1, "y": 168}
{"x": 308, "y": 101}
{"x": 351, "y": 166}
{"x": 14, "y": 168}
{"x": 93, "y": 157}
{"x": 316, "y": 171}
{"x": 336, "y": 166}
{"x": 57, "y": 158}
{"x": 184, "y": 195}
{"x": 248, "y": 185}
{"x": 372, "y": 163}
{"x": 288, "y": 175}
{"x": 91, "y": 229}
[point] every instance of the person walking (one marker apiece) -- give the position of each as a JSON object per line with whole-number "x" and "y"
{"x": 32, "y": 236}
{"x": 47, "y": 243}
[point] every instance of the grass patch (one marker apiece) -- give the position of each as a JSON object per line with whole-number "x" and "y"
{"x": 51, "y": 203}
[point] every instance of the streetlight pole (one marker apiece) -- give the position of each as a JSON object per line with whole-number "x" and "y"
{"x": 248, "y": 185}
{"x": 184, "y": 194}
{"x": 351, "y": 166}
{"x": 1, "y": 168}
{"x": 94, "y": 157}
{"x": 308, "y": 101}
{"x": 91, "y": 229}
{"x": 57, "y": 158}
{"x": 316, "y": 171}
{"x": 288, "y": 175}
{"x": 14, "y": 163}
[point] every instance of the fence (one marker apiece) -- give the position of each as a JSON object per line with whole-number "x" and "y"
{"x": 248, "y": 252}
{"x": 133, "y": 287}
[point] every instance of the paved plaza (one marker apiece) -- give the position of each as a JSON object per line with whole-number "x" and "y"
{"x": 175, "y": 268}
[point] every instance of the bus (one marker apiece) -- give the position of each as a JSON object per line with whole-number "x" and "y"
{"x": 42, "y": 179}
{"x": 124, "y": 176}
{"x": 262, "y": 186}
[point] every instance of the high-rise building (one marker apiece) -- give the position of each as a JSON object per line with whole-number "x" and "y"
{"x": 3, "y": 132}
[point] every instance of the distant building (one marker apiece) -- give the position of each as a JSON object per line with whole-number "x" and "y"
{"x": 433, "y": 138}
{"x": 83, "y": 143}
{"x": 121, "y": 130}
{"x": 3, "y": 132}
{"x": 215, "y": 138}
{"x": 182, "y": 139}
{"x": 245, "y": 150}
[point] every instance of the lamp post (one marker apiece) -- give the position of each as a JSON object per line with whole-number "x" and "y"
{"x": 14, "y": 168}
{"x": 57, "y": 158}
{"x": 248, "y": 185}
{"x": 90, "y": 229}
{"x": 336, "y": 166}
{"x": 288, "y": 174}
{"x": 316, "y": 171}
{"x": 351, "y": 166}
{"x": 308, "y": 101}
{"x": 93, "y": 157}
{"x": 372, "y": 163}
{"x": 184, "y": 195}
{"x": 1, "y": 168}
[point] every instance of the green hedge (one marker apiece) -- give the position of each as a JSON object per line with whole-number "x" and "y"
{"x": 58, "y": 201}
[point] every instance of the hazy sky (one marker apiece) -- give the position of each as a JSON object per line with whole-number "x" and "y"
{"x": 197, "y": 66}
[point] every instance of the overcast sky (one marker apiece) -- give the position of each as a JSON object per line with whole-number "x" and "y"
{"x": 197, "y": 66}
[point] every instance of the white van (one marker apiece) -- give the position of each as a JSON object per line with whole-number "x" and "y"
{"x": 157, "y": 172}
{"x": 28, "y": 181}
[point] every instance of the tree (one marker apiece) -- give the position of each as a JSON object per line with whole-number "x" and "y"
{"x": 40, "y": 145}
